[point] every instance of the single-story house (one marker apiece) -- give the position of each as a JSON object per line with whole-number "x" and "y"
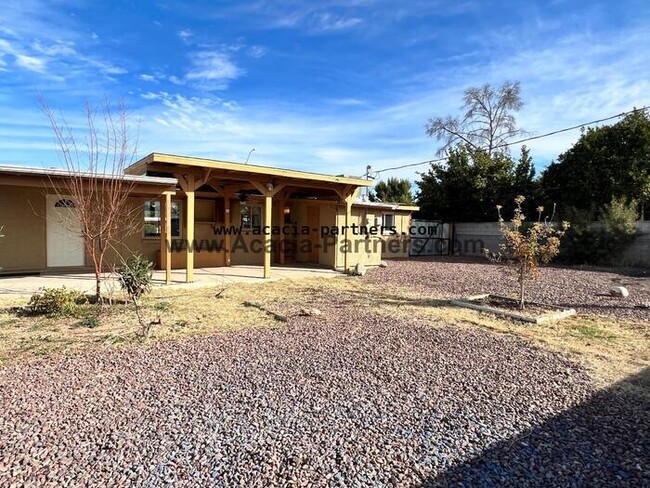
{"x": 194, "y": 212}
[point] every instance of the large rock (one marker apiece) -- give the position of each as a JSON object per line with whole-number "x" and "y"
{"x": 619, "y": 291}
{"x": 360, "y": 270}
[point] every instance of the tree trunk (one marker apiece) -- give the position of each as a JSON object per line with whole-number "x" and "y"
{"x": 522, "y": 284}
{"x": 98, "y": 287}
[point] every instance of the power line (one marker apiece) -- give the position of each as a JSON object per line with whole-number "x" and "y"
{"x": 520, "y": 141}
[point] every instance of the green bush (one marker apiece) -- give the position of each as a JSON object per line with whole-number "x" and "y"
{"x": 586, "y": 243}
{"x": 163, "y": 306}
{"x": 135, "y": 276}
{"x": 56, "y": 302}
{"x": 90, "y": 322}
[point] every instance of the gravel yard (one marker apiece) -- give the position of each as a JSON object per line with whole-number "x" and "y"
{"x": 584, "y": 290}
{"x": 347, "y": 398}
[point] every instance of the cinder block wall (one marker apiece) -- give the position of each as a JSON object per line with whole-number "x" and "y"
{"x": 472, "y": 237}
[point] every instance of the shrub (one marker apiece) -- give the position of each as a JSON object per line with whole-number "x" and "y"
{"x": 135, "y": 276}
{"x": 90, "y": 322}
{"x": 56, "y": 302}
{"x": 163, "y": 306}
{"x": 604, "y": 242}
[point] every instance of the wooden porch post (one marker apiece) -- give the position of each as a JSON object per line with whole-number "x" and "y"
{"x": 268, "y": 199}
{"x": 282, "y": 203}
{"x": 166, "y": 236}
{"x": 349, "y": 200}
{"x": 189, "y": 212}
{"x": 227, "y": 223}
{"x": 268, "y": 190}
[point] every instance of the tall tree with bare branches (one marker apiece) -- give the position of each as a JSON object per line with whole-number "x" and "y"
{"x": 489, "y": 121}
{"x": 97, "y": 183}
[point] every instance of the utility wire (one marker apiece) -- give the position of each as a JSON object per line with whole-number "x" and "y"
{"x": 520, "y": 141}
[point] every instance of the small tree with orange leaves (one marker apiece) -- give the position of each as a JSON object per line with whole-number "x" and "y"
{"x": 527, "y": 246}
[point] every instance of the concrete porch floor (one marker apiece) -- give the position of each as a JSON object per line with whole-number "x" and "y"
{"x": 85, "y": 282}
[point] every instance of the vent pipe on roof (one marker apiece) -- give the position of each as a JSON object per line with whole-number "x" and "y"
{"x": 249, "y": 155}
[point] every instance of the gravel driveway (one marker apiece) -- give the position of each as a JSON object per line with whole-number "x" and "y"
{"x": 347, "y": 398}
{"x": 582, "y": 289}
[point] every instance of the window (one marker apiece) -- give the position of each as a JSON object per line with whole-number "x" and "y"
{"x": 388, "y": 223}
{"x": 152, "y": 218}
{"x": 65, "y": 203}
{"x": 251, "y": 216}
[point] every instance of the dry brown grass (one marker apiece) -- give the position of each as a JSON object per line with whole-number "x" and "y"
{"x": 611, "y": 349}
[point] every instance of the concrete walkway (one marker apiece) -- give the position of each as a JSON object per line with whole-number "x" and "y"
{"x": 85, "y": 282}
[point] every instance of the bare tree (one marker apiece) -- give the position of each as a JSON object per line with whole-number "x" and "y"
{"x": 488, "y": 122}
{"x": 97, "y": 183}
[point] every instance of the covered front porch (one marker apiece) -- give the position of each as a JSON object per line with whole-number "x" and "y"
{"x": 220, "y": 276}
{"x": 211, "y": 220}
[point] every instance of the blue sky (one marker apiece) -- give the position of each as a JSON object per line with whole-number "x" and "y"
{"x": 323, "y": 86}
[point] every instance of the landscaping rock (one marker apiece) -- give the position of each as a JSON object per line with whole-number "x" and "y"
{"x": 357, "y": 399}
{"x": 310, "y": 311}
{"x": 383, "y": 264}
{"x": 450, "y": 278}
{"x": 619, "y": 291}
{"x": 360, "y": 270}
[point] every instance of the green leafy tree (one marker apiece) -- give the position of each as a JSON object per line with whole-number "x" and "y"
{"x": 608, "y": 162}
{"x": 471, "y": 181}
{"x": 393, "y": 190}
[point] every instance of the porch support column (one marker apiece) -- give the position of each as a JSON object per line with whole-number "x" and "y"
{"x": 227, "y": 222}
{"x": 166, "y": 236}
{"x": 188, "y": 184}
{"x": 350, "y": 197}
{"x": 282, "y": 203}
{"x": 268, "y": 190}
{"x": 268, "y": 202}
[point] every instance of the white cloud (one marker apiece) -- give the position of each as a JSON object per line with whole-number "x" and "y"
{"x": 257, "y": 51}
{"x": 327, "y": 21}
{"x": 30, "y": 63}
{"x": 176, "y": 80}
{"x": 185, "y": 35}
{"x": 212, "y": 70}
{"x": 150, "y": 95}
{"x": 146, "y": 77}
{"x": 41, "y": 38}
{"x": 347, "y": 102}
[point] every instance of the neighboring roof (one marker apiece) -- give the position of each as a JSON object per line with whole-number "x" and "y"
{"x": 57, "y": 172}
{"x": 140, "y": 167}
{"x": 386, "y": 206}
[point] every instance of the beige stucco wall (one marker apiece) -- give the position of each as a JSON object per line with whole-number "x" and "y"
{"x": 22, "y": 213}
{"x": 397, "y": 246}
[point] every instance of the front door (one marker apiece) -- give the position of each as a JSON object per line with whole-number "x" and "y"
{"x": 65, "y": 244}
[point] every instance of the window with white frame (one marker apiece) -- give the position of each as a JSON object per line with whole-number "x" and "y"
{"x": 251, "y": 216}
{"x": 388, "y": 222}
{"x": 152, "y": 221}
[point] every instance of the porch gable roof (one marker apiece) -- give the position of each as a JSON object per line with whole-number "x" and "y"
{"x": 234, "y": 170}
